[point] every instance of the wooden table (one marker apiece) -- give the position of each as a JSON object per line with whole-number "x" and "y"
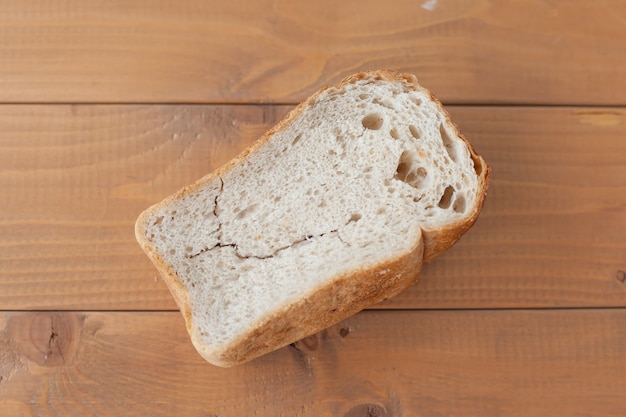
{"x": 107, "y": 107}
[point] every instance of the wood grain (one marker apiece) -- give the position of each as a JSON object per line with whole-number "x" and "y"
{"x": 478, "y": 363}
{"x": 510, "y": 51}
{"x": 74, "y": 178}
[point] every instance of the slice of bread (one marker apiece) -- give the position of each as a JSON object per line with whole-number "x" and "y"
{"x": 335, "y": 208}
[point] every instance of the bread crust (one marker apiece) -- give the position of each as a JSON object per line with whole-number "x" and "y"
{"x": 355, "y": 290}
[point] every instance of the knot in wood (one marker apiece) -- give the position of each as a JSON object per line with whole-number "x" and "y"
{"x": 367, "y": 410}
{"x": 344, "y": 331}
{"x": 48, "y": 338}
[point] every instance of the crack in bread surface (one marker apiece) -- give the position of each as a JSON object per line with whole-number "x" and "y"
{"x": 273, "y": 254}
{"x": 220, "y": 244}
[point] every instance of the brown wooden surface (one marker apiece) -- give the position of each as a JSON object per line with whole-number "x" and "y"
{"x": 74, "y": 178}
{"x": 441, "y": 363}
{"x": 467, "y": 51}
{"x": 107, "y": 107}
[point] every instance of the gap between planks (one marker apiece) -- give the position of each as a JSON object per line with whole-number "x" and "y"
{"x": 471, "y": 104}
{"x": 372, "y": 309}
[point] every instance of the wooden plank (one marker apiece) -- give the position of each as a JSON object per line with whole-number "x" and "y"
{"x": 510, "y": 51}
{"x": 74, "y": 178}
{"x": 470, "y": 363}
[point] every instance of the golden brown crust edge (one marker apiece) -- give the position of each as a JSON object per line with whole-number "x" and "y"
{"x": 432, "y": 243}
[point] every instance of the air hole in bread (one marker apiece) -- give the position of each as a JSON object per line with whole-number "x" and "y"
{"x": 372, "y": 121}
{"x": 446, "y": 198}
{"x": 459, "y": 204}
{"x": 404, "y": 167}
{"x": 478, "y": 166}
{"x": 411, "y": 178}
{"x": 364, "y": 96}
{"x": 414, "y": 132}
{"x": 447, "y": 142}
{"x": 408, "y": 171}
{"x": 394, "y": 133}
{"x": 383, "y": 103}
{"x": 381, "y": 211}
{"x": 172, "y": 251}
{"x": 297, "y": 138}
{"x": 340, "y": 139}
{"x": 355, "y": 218}
{"x": 246, "y": 212}
{"x": 158, "y": 221}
